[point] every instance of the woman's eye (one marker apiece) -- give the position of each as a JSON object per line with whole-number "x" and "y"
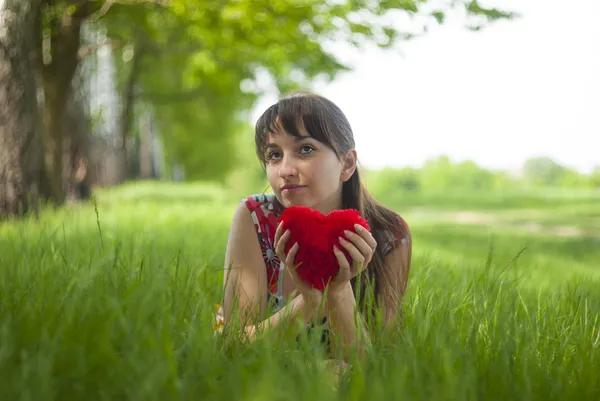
{"x": 306, "y": 149}
{"x": 273, "y": 155}
{"x": 276, "y": 155}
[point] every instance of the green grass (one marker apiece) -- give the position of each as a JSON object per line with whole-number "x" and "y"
{"x": 119, "y": 305}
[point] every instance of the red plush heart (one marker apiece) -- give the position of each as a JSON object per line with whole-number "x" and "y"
{"x": 316, "y": 234}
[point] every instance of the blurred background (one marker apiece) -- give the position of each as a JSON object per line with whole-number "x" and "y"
{"x": 446, "y": 98}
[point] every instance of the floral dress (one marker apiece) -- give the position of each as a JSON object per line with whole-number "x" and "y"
{"x": 265, "y": 211}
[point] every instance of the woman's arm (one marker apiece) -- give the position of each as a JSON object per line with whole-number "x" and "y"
{"x": 346, "y": 322}
{"x": 245, "y": 277}
{"x": 245, "y": 282}
{"x": 296, "y": 308}
{"x": 341, "y": 305}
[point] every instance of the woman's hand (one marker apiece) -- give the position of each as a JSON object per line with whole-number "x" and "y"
{"x": 312, "y": 296}
{"x": 361, "y": 247}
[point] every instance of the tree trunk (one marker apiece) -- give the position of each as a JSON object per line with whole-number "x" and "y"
{"x": 76, "y": 161}
{"x": 145, "y": 149}
{"x": 57, "y": 75}
{"x": 20, "y": 140}
{"x": 127, "y": 114}
{"x": 54, "y": 105}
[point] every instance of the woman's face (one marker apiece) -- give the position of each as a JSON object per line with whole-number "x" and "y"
{"x": 305, "y": 172}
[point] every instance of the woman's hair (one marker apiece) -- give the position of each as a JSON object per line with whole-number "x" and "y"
{"x": 324, "y": 121}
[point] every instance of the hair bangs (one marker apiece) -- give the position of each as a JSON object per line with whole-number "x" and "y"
{"x": 291, "y": 115}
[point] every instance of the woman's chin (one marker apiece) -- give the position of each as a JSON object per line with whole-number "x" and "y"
{"x": 292, "y": 199}
{"x": 287, "y": 202}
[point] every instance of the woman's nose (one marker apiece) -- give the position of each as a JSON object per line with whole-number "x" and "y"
{"x": 288, "y": 167}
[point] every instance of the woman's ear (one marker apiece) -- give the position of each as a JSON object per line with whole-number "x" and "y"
{"x": 348, "y": 165}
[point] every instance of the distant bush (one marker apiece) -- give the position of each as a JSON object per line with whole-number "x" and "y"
{"x": 543, "y": 171}
{"x": 406, "y": 179}
{"x": 595, "y": 178}
{"x": 444, "y": 175}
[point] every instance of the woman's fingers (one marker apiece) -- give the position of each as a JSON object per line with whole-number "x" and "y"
{"x": 278, "y": 233}
{"x": 289, "y": 264}
{"x": 366, "y": 236}
{"x": 344, "y": 272}
{"x": 292, "y": 268}
{"x": 363, "y": 242}
{"x": 355, "y": 244}
{"x": 291, "y": 256}
{"x": 358, "y": 259}
{"x": 280, "y": 247}
{"x": 312, "y": 296}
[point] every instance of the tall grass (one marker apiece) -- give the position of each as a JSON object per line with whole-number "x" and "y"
{"x": 120, "y": 304}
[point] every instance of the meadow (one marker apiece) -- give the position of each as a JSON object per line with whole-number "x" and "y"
{"x": 115, "y": 299}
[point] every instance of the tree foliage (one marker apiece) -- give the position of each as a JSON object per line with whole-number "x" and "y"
{"x": 442, "y": 175}
{"x": 201, "y": 60}
{"x": 195, "y": 65}
{"x": 543, "y": 171}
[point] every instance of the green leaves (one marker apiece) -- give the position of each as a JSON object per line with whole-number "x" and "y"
{"x": 491, "y": 14}
{"x": 197, "y": 55}
{"x": 439, "y": 16}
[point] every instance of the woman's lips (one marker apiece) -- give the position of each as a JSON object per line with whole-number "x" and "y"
{"x": 292, "y": 189}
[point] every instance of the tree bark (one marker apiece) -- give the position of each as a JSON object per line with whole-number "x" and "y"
{"x": 57, "y": 75}
{"x": 20, "y": 137}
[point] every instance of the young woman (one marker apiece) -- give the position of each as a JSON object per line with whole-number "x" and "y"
{"x": 306, "y": 146}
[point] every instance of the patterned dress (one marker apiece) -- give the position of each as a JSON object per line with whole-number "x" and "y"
{"x": 265, "y": 210}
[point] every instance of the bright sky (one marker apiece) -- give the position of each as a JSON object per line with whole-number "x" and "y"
{"x": 517, "y": 89}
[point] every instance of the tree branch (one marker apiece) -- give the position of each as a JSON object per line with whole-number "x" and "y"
{"x": 102, "y": 11}
{"x": 85, "y": 51}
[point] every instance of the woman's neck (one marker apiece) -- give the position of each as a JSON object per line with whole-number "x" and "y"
{"x": 330, "y": 204}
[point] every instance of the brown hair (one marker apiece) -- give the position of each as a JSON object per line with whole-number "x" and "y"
{"x": 324, "y": 121}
